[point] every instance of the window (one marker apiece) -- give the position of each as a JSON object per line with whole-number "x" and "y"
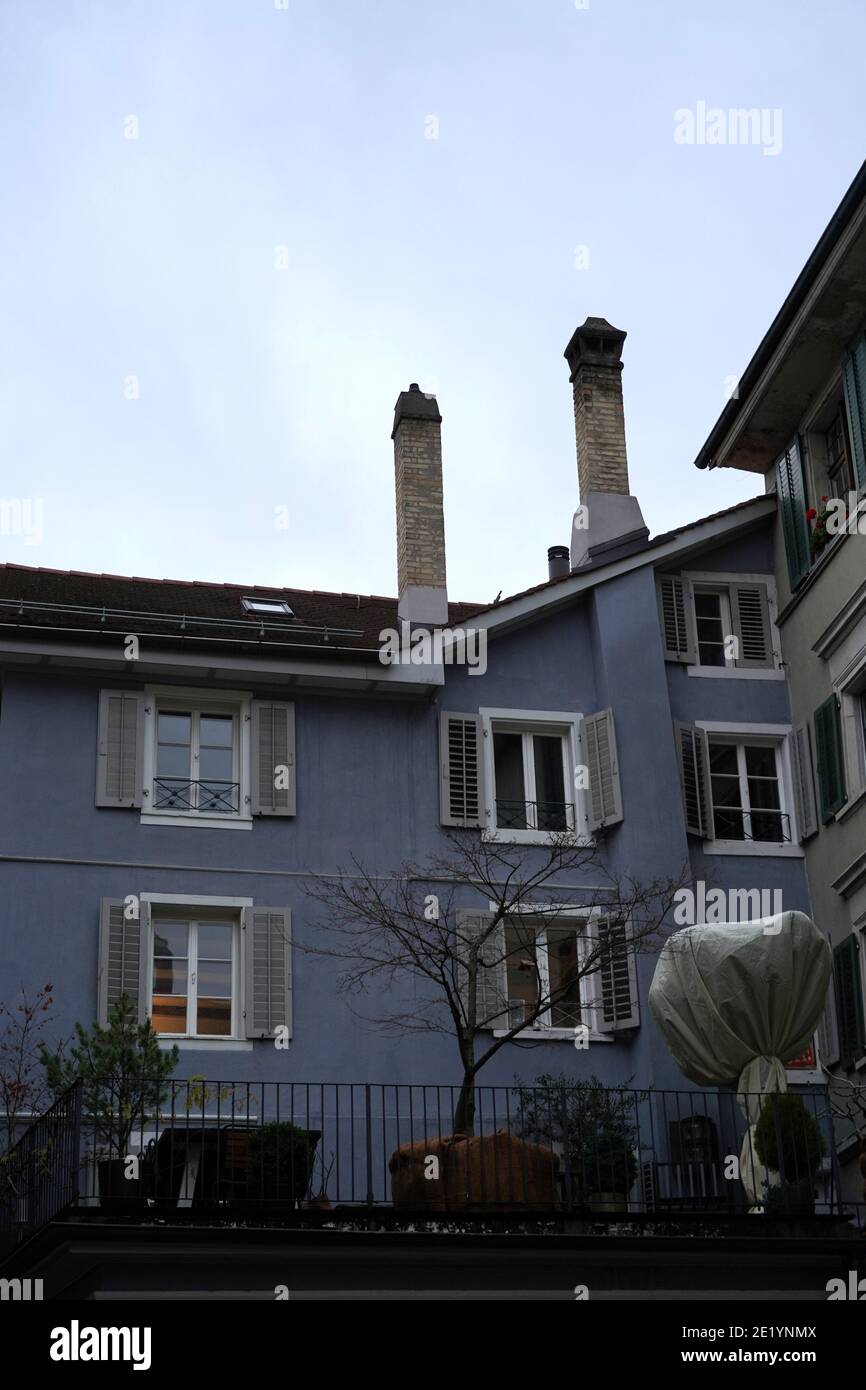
{"x": 275, "y": 606}
{"x": 718, "y": 623}
{"x": 713, "y": 625}
{"x": 840, "y": 476}
{"x": 830, "y": 759}
{"x": 195, "y": 976}
{"x": 531, "y": 774}
{"x": 542, "y": 962}
{"x": 745, "y": 789}
{"x": 197, "y": 758}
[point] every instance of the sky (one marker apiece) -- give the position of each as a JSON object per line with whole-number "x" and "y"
{"x": 233, "y": 231}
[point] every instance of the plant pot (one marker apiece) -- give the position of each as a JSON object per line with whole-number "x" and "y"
{"x": 120, "y": 1194}
{"x": 608, "y": 1202}
{"x": 320, "y": 1203}
{"x": 478, "y": 1173}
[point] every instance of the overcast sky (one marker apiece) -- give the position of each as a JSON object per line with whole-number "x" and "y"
{"x": 265, "y": 221}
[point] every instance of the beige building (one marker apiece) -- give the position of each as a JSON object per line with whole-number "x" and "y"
{"x": 799, "y": 418}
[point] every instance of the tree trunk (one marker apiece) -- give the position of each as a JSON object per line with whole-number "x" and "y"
{"x": 464, "y": 1114}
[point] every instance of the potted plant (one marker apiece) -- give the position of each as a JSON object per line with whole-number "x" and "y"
{"x": 279, "y": 1161}
{"x": 317, "y": 1196}
{"x": 609, "y": 1169}
{"x": 123, "y": 1071}
{"x": 789, "y": 1142}
{"x": 818, "y": 520}
{"x": 594, "y": 1126}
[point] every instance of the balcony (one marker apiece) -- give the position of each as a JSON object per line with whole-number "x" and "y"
{"x": 212, "y": 797}
{"x": 293, "y": 1153}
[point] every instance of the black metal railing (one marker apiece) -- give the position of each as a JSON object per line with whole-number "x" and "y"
{"x": 174, "y": 794}
{"x": 269, "y": 1150}
{"x": 549, "y": 816}
{"x": 39, "y": 1174}
{"x": 764, "y": 826}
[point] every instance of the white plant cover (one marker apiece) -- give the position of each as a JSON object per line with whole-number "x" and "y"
{"x": 735, "y": 1001}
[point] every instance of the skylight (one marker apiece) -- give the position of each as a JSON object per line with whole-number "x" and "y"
{"x": 276, "y": 606}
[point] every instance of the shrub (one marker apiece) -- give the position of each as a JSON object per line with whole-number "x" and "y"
{"x": 279, "y": 1161}
{"x": 803, "y": 1144}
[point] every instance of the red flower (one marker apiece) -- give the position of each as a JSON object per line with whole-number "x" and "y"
{"x": 824, "y": 499}
{"x": 811, "y": 514}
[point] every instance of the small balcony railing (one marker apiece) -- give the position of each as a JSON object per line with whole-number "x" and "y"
{"x": 759, "y": 826}
{"x": 548, "y": 816}
{"x": 213, "y": 797}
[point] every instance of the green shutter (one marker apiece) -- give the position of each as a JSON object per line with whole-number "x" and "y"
{"x": 792, "y": 506}
{"x": 828, "y": 754}
{"x": 849, "y": 1000}
{"x": 855, "y": 396}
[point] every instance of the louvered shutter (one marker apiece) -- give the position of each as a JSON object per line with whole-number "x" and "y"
{"x": 855, "y": 397}
{"x": 792, "y": 505}
{"x": 694, "y": 763}
{"x": 750, "y": 614}
{"x": 828, "y": 1030}
{"x": 849, "y": 1000}
{"x": 273, "y": 748}
{"x": 618, "y": 1004}
{"x": 123, "y": 956}
{"x": 828, "y": 755}
{"x": 460, "y": 770}
{"x": 676, "y": 611}
{"x": 120, "y": 748}
{"x": 804, "y": 782}
{"x": 491, "y": 989}
{"x": 598, "y": 738}
{"x": 267, "y": 970}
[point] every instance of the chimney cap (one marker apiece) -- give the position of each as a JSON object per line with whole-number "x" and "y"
{"x": 595, "y": 343}
{"x": 415, "y": 404}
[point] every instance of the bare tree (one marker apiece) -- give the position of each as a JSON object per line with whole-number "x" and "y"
{"x": 23, "y": 1088}
{"x": 418, "y": 924}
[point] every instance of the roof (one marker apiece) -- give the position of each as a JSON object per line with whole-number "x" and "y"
{"x": 194, "y": 610}
{"x": 202, "y": 613}
{"x": 782, "y": 324}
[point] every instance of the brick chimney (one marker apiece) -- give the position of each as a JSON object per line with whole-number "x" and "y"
{"x": 609, "y": 518}
{"x": 420, "y": 517}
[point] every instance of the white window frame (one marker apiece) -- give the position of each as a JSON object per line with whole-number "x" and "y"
{"x": 186, "y": 907}
{"x": 266, "y": 607}
{"x": 590, "y": 985}
{"x": 721, "y": 581}
{"x": 567, "y": 726}
{"x": 779, "y": 736}
{"x": 236, "y": 703}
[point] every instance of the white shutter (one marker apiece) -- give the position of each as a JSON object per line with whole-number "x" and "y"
{"x": 273, "y": 759}
{"x": 694, "y": 764}
{"x": 804, "y": 782}
{"x": 618, "y": 1006}
{"x": 461, "y": 795}
{"x": 598, "y": 738}
{"x": 491, "y": 988}
{"x": 267, "y": 970}
{"x": 750, "y": 615}
{"x": 676, "y": 615}
{"x": 124, "y": 944}
{"x": 119, "y": 748}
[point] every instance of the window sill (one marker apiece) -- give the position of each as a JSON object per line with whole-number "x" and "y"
{"x": 205, "y": 1044}
{"x": 852, "y": 805}
{"x": 737, "y": 673}
{"x": 551, "y": 1035}
{"x": 534, "y": 837}
{"x": 753, "y": 849}
{"x": 211, "y": 822}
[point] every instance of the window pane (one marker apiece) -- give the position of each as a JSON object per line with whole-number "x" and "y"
{"x": 169, "y": 976}
{"x": 215, "y": 730}
{"x": 214, "y": 979}
{"x": 214, "y": 1016}
{"x": 725, "y": 783}
{"x": 549, "y": 782}
{"x": 170, "y": 938}
{"x": 562, "y": 963}
{"x": 214, "y": 941}
{"x": 174, "y": 728}
{"x": 521, "y": 966}
{"x": 710, "y": 629}
{"x": 173, "y": 761}
{"x": 215, "y": 765}
{"x": 173, "y": 758}
{"x": 763, "y": 781}
{"x": 510, "y": 790}
{"x": 168, "y": 1014}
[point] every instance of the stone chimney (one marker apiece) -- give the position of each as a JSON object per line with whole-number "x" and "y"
{"x": 420, "y": 516}
{"x": 609, "y": 519}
